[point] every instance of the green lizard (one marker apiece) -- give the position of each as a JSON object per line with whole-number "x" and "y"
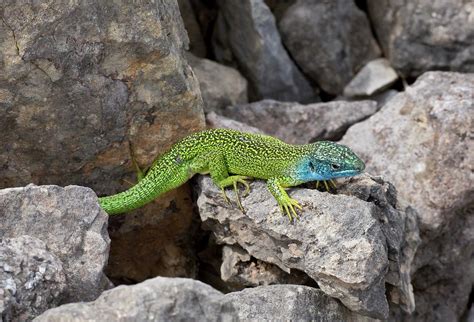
{"x": 232, "y": 157}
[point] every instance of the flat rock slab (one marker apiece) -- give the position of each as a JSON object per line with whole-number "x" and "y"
{"x": 298, "y": 124}
{"x": 214, "y": 120}
{"x": 157, "y": 299}
{"x": 72, "y": 225}
{"x": 374, "y": 77}
{"x": 345, "y": 243}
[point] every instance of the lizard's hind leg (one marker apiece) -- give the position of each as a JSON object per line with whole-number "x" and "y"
{"x": 214, "y": 163}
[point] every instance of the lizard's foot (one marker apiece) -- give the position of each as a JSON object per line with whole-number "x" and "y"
{"x": 287, "y": 205}
{"x": 233, "y": 181}
{"x": 326, "y": 184}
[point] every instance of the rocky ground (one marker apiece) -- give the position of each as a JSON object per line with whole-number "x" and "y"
{"x": 85, "y": 86}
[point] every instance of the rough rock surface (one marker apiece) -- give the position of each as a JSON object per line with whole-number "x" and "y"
{"x": 351, "y": 245}
{"x": 422, "y": 141}
{"x": 72, "y": 225}
{"x": 85, "y": 83}
{"x": 240, "y": 270}
{"x": 417, "y": 35}
{"x": 296, "y": 123}
{"x": 329, "y": 40}
{"x": 158, "y": 299}
{"x": 374, "y": 77}
{"x": 247, "y": 34}
{"x": 289, "y": 303}
{"x": 214, "y": 120}
{"x": 220, "y": 85}
{"x": 32, "y": 279}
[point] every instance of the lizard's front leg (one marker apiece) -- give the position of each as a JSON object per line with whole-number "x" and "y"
{"x": 284, "y": 201}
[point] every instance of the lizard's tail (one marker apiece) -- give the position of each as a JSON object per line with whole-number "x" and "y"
{"x": 156, "y": 182}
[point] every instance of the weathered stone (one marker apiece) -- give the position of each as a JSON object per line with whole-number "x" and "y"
{"x": 329, "y": 40}
{"x": 214, "y": 120}
{"x": 422, "y": 141}
{"x": 32, "y": 279}
{"x": 246, "y": 33}
{"x": 296, "y": 123}
{"x": 85, "y": 84}
{"x": 220, "y": 85}
{"x": 289, "y": 303}
{"x": 158, "y": 299}
{"x": 72, "y": 225}
{"x": 418, "y": 36}
{"x": 196, "y": 41}
{"x": 240, "y": 270}
{"x": 374, "y": 77}
{"x": 350, "y": 245}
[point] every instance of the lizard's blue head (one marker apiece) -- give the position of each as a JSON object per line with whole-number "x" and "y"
{"x": 327, "y": 160}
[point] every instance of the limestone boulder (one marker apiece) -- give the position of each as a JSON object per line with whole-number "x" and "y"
{"x": 355, "y": 245}
{"x": 422, "y": 141}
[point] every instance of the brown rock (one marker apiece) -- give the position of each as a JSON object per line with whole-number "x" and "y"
{"x": 84, "y": 83}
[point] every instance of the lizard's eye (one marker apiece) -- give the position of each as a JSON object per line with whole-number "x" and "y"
{"x": 335, "y": 166}
{"x": 311, "y": 166}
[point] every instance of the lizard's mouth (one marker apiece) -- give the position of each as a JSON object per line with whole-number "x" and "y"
{"x": 348, "y": 173}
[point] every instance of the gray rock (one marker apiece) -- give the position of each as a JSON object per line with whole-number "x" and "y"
{"x": 289, "y": 303}
{"x": 72, "y": 225}
{"x": 351, "y": 245}
{"x": 422, "y": 141}
{"x": 247, "y": 34}
{"x": 220, "y": 85}
{"x": 214, "y": 120}
{"x": 374, "y": 77}
{"x": 32, "y": 279}
{"x": 157, "y": 299}
{"x": 418, "y": 36}
{"x": 296, "y": 123}
{"x": 82, "y": 85}
{"x": 240, "y": 270}
{"x": 329, "y": 40}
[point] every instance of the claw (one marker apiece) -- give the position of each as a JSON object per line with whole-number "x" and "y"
{"x": 333, "y": 183}
{"x": 326, "y": 185}
{"x": 224, "y": 195}
{"x": 287, "y": 207}
{"x": 238, "y": 197}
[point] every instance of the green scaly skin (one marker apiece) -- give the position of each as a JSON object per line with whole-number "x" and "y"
{"x": 231, "y": 157}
